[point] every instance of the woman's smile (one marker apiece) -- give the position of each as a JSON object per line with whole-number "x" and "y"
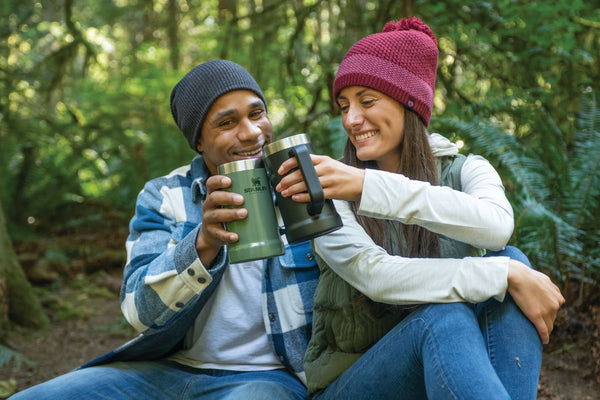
{"x": 365, "y": 135}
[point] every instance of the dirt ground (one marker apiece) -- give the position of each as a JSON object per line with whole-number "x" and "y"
{"x": 76, "y": 335}
{"x": 87, "y": 321}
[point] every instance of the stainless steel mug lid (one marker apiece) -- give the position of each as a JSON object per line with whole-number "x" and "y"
{"x": 285, "y": 143}
{"x": 241, "y": 165}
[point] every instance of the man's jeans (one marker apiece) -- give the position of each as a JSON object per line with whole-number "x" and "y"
{"x": 450, "y": 351}
{"x": 165, "y": 380}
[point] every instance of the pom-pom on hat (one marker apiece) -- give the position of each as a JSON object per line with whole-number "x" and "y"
{"x": 400, "y": 62}
{"x": 196, "y": 92}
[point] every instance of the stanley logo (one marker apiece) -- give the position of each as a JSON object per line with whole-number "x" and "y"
{"x": 257, "y": 186}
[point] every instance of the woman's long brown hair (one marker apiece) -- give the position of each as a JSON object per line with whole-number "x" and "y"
{"x": 416, "y": 162}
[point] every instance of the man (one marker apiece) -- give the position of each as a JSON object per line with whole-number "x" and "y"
{"x": 209, "y": 330}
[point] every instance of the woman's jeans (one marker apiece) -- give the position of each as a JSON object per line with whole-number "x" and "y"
{"x": 450, "y": 351}
{"x": 163, "y": 380}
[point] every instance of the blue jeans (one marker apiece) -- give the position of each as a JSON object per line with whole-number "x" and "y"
{"x": 461, "y": 351}
{"x": 165, "y": 380}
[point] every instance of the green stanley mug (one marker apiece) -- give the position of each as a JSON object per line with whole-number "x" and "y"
{"x": 303, "y": 221}
{"x": 258, "y": 233}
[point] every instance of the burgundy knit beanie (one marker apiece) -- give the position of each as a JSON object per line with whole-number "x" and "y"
{"x": 400, "y": 62}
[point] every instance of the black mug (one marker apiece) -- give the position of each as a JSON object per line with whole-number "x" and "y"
{"x": 303, "y": 221}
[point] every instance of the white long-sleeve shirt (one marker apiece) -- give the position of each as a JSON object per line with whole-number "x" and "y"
{"x": 480, "y": 215}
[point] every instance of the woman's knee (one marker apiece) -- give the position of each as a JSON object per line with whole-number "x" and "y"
{"x": 513, "y": 253}
{"x": 449, "y": 315}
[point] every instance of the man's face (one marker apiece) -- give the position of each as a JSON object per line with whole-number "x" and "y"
{"x": 236, "y": 127}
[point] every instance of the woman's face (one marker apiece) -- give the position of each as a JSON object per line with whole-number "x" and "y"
{"x": 375, "y": 125}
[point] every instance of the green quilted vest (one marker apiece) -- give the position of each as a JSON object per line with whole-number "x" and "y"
{"x": 345, "y": 323}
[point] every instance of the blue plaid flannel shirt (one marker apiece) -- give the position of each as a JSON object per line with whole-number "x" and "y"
{"x": 165, "y": 285}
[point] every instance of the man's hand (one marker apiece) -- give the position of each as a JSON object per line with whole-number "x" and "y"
{"x": 213, "y": 235}
{"x": 536, "y": 295}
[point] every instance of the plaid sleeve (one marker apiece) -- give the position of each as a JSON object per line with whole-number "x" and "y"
{"x": 163, "y": 271}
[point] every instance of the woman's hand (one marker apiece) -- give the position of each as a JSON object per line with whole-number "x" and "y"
{"x": 536, "y": 295}
{"x": 339, "y": 181}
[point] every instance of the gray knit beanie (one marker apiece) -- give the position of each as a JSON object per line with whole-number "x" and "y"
{"x": 196, "y": 92}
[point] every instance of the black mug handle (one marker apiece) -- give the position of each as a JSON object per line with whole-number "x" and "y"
{"x": 315, "y": 190}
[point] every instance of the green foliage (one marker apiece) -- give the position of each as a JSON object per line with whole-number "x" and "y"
{"x": 62, "y": 309}
{"x": 7, "y": 387}
{"x": 72, "y": 302}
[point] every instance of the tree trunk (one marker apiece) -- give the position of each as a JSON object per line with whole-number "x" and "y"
{"x": 172, "y": 34}
{"x": 17, "y": 301}
{"x": 408, "y": 8}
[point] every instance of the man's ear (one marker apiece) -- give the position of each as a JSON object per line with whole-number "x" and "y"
{"x": 199, "y": 146}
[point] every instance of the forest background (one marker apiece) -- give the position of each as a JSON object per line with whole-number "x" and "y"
{"x": 85, "y": 121}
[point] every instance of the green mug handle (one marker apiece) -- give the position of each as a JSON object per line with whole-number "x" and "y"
{"x": 315, "y": 190}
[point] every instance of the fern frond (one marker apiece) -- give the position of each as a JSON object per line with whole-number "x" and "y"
{"x": 584, "y": 173}
{"x": 547, "y": 237}
{"x": 503, "y": 150}
{"x": 7, "y": 355}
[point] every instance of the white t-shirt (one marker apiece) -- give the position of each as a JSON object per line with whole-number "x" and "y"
{"x": 229, "y": 333}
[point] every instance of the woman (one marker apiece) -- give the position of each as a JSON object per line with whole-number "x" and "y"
{"x": 392, "y": 319}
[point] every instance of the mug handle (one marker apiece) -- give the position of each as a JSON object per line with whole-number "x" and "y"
{"x": 315, "y": 190}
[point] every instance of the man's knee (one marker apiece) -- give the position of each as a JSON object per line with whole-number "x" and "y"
{"x": 79, "y": 384}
